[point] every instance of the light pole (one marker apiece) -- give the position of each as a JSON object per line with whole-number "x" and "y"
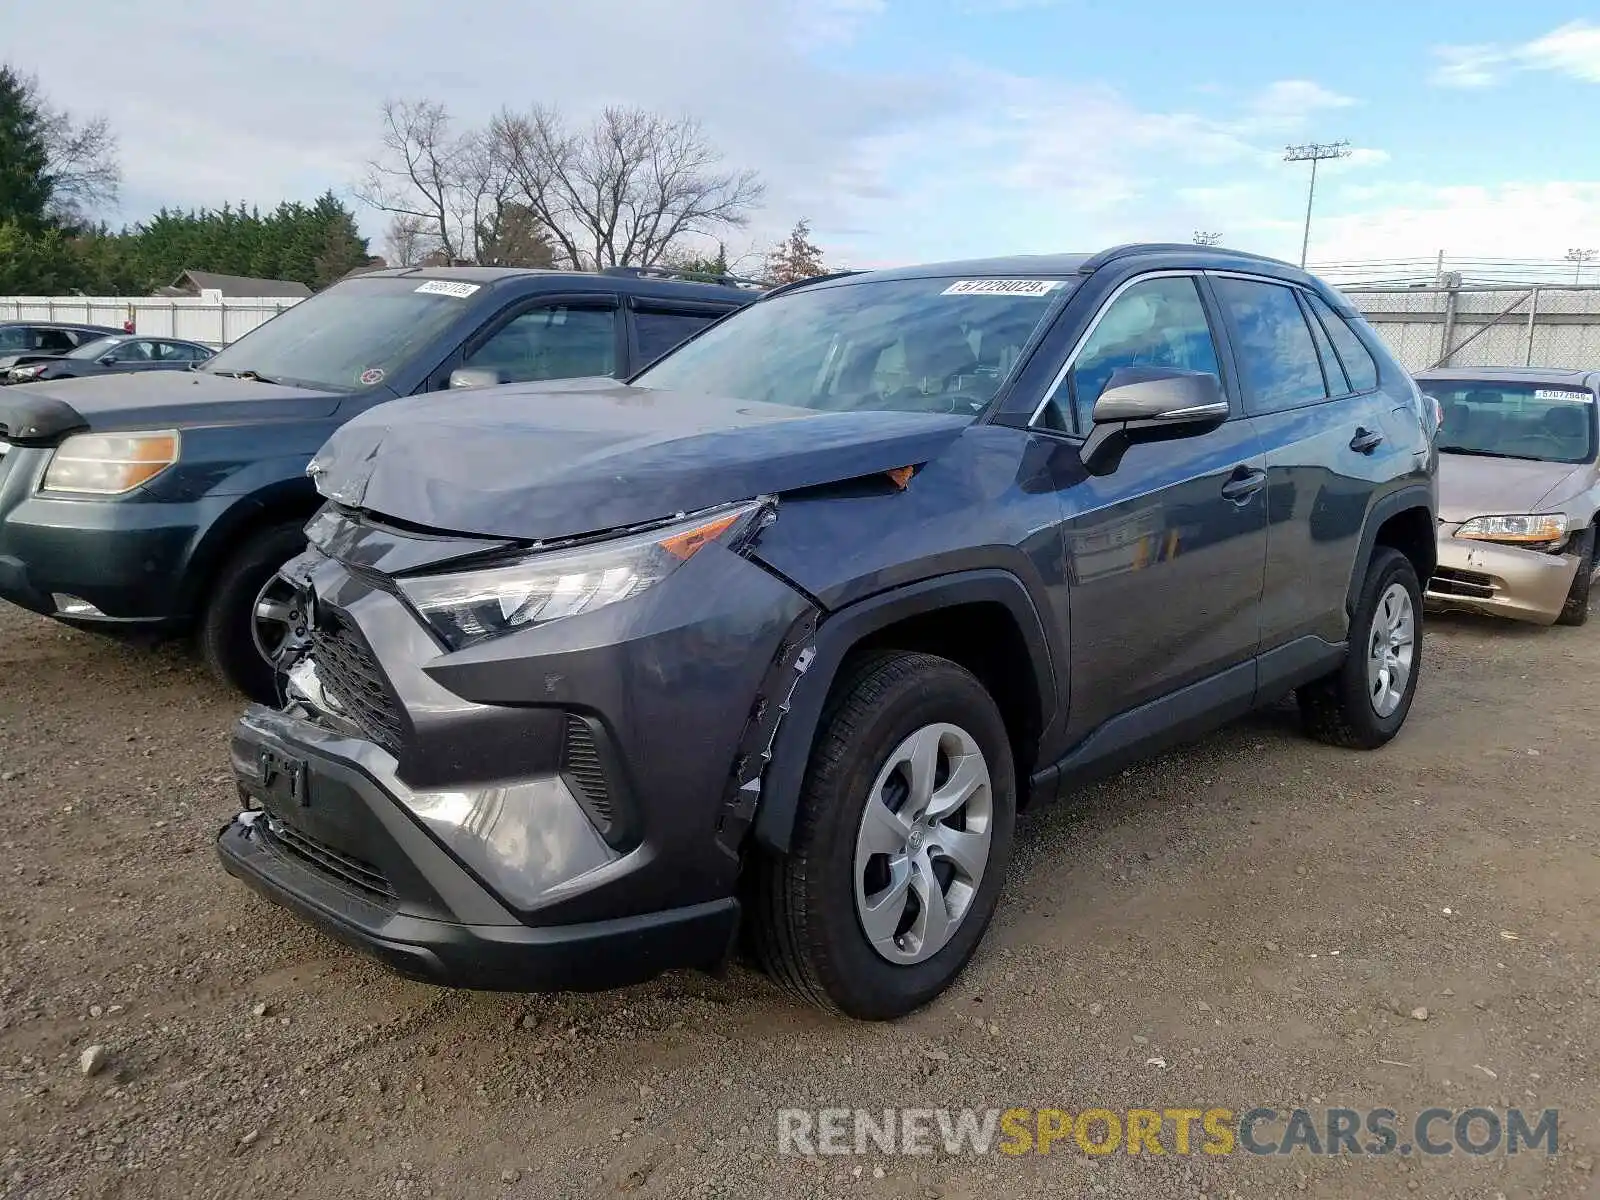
{"x": 1313, "y": 153}
{"x": 1577, "y": 258}
{"x": 1204, "y": 238}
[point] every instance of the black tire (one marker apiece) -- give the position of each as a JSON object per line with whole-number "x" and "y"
{"x": 225, "y": 634}
{"x": 804, "y": 929}
{"x": 1576, "y": 610}
{"x": 1338, "y": 708}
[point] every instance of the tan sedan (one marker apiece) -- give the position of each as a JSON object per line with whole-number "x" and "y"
{"x": 1519, "y": 491}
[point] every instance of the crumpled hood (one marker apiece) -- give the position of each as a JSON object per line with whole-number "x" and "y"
{"x": 50, "y": 409}
{"x": 542, "y": 461}
{"x": 1470, "y": 486}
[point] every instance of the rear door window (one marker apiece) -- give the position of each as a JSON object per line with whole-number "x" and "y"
{"x": 1277, "y": 356}
{"x": 1353, "y": 353}
{"x": 658, "y": 330}
{"x": 53, "y": 341}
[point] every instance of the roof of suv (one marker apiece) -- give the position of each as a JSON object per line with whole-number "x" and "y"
{"x": 626, "y": 281}
{"x": 1570, "y": 377}
{"x": 1024, "y": 266}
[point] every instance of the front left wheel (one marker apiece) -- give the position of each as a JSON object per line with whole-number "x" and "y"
{"x": 246, "y": 618}
{"x": 901, "y": 842}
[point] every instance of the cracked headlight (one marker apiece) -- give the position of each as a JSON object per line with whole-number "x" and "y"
{"x": 467, "y": 607}
{"x": 1528, "y": 530}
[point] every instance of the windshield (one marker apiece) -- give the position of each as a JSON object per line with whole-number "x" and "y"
{"x": 924, "y": 345}
{"x": 349, "y": 338}
{"x": 1515, "y": 420}
{"x": 95, "y": 348}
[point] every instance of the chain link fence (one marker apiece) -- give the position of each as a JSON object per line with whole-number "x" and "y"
{"x": 1481, "y": 325}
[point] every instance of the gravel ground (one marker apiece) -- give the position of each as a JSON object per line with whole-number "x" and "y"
{"x": 1260, "y": 914}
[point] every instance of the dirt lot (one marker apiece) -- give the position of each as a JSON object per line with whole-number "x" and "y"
{"x": 1261, "y": 914}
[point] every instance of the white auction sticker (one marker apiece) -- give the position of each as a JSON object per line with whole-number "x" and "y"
{"x": 1563, "y": 394}
{"x": 448, "y": 287}
{"x": 1002, "y": 287}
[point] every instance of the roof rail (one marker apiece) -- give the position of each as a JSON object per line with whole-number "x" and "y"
{"x": 795, "y": 285}
{"x": 724, "y": 280}
{"x": 1095, "y": 261}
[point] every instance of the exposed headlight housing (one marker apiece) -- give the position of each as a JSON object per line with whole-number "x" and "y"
{"x": 467, "y": 607}
{"x": 110, "y": 464}
{"x": 28, "y": 372}
{"x": 1532, "y": 529}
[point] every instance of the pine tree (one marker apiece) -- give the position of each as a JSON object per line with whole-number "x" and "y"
{"x": 26, "y": 185}
{"x": 796, "y": 257}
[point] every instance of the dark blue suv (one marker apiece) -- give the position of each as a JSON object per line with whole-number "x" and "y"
{"x": 778, "y": 635}
{"x": 165, "y": 503}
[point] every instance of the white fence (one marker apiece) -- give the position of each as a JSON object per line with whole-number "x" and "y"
{"x": 216, "y": 322}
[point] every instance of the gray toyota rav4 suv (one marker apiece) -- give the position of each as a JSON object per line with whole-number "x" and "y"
{"x": 774, "y": 638}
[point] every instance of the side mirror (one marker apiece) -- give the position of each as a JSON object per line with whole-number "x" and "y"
{"x": 107, "y": 360}
{"x": 472, "y": 377}
{"x": 1150, "y": 404}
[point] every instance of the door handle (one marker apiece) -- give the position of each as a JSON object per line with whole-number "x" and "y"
{"x": 1244, "y": 483}
{"x": 1365, "y": 440}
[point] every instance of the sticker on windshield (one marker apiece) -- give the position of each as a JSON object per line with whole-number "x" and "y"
{"x": 448, "y": 287}
{"x": 1002, "y": 287}
{"x": 1563, "y": 394}
{"x": 371, "y": 375}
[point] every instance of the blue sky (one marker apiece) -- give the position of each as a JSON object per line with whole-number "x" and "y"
{"x": 909, "y": 129}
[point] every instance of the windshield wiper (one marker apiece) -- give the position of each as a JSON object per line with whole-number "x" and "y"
{"x": 255, "y": 375}
{"x": 1493, "y": 454}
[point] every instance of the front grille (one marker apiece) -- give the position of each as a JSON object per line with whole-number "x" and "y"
{"x": 353, "y": 680}
{"x": 356, "y": 872}
{"x": 580, "y": 763}
{"x": 1447, "y": 581}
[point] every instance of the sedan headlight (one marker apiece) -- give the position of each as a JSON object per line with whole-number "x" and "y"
{"x": 110, "y": 464}
{"x": 29, "y": 372}
{"x": 1531, "y": 529}
{"x": 469, "y": 606}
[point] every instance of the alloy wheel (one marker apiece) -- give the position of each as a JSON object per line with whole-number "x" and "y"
{"x": 1391, "y": 649}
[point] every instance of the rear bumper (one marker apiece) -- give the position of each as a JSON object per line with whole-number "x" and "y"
{"x": 1501, "y": 581}
{"x": 494, "y": 957}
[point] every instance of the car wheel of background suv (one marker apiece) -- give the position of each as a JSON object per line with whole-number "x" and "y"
{"x": 227, "y": 632}
{"x": 901, "y": 843}
{"x": 1576, "y": 610}
{"x": 1363, "y": 704}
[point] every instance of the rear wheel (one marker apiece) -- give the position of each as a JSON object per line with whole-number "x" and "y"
{"x": 1576, "y": 610}
{"x": 250, "y": 612}
{"x": 901, "y": 842}
{"x": 1363, "y": 704}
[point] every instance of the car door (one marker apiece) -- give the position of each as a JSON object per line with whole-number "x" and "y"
{"x": 1165, "y": 553}
{"x": 135, "y": 354}
{"x": 659, "y": 326}
{"x": 1325, "y": 430}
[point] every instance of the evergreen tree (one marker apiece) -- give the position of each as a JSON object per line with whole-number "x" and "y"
{"x": 26, "y": 185}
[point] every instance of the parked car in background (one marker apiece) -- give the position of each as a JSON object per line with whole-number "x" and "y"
{"x": 165, "y": 502}
{"x": 1519, "y": 490}
{"x": 782, "y": 631}
{"x": 108, "y": 356}
{"x": 19, "y": 338}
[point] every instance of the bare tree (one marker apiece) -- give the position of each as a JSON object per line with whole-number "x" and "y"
{"x": 82, "y": 156}
{"x": 407, "y": 240}
{"x": 429, "y": 175}
{"x": 628, "y": 190}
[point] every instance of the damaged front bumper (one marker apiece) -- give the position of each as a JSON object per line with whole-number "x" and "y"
{"x": 559, "y": 807}
{"x": 1500, "y": 580}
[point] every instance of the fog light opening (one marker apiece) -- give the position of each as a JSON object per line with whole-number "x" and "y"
{"x": 72, "y": 606}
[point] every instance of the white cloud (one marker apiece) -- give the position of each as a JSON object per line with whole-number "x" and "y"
{"x": 1572, "y": 49}
{"x": 1513, "y": 220}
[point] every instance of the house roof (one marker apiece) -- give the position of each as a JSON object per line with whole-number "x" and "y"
{"x": 238, "y": 285}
